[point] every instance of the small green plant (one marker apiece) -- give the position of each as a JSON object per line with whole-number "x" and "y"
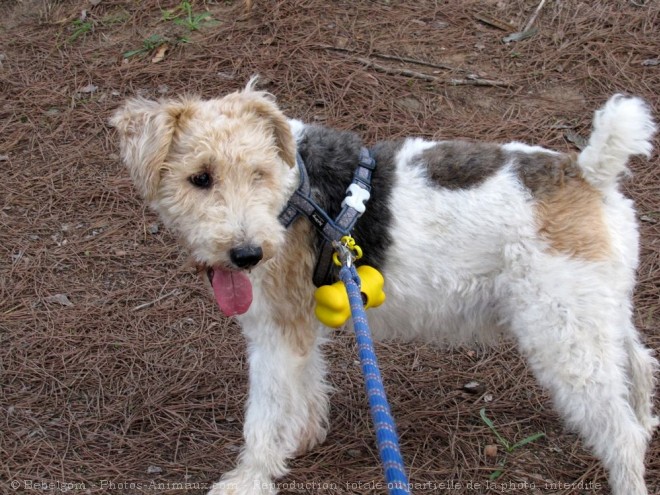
{"x": 80, "y": 28}
{"x": 149, "y": 44}
{"x": 184, "y": 16}
{"x": 170, "y": 14}
{"x": 114, "y": 18}
{"x": 508, "y": 446}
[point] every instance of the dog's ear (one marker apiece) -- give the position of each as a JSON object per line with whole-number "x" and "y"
{"x": 263, "y": 105}
{"x": 280, "y": 127}
{"x": 146, "y": 129}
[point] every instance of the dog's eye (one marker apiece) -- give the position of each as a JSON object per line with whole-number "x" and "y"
{"x": 202, "y": 180}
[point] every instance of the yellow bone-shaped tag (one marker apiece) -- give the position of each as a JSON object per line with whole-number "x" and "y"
{"x": 332, "y": 306}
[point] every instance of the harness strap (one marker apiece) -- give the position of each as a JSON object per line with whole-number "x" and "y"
{"x": 301, "y": 203}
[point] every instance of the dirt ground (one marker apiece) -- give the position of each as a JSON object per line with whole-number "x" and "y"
{"x": 118, "y": 373}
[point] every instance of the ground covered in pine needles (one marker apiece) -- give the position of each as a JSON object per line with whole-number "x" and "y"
{"x": 119, "y": 374}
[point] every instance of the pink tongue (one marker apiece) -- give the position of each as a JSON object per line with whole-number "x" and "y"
{"x": 233, "y": 291}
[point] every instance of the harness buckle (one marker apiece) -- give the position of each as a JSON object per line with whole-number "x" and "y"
{"x": 357, "y": 197}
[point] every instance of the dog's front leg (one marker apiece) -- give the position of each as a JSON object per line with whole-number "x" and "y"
{"x": 287, "y": 405}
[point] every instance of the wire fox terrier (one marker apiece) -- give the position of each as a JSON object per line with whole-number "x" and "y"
{"x": 474, "y": 240}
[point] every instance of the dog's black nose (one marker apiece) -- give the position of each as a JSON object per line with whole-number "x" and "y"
{"x": 246, "y": 256}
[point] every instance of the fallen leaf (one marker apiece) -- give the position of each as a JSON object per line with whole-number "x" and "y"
{"x": 651, "y": 61}
{"x": 160, "y": 53}
{"x": 580, "y": 142}
{"x": 154, "y": 470}
{"x": 90, "y": 88}
{"x": 474, "y": 388}
{"x": 410, "y": 103}
{"x": 341, "y": 42}
{"x": 520, "y": 36}
{"x": 59, "y": 299}
{"x": 490, "y": 450}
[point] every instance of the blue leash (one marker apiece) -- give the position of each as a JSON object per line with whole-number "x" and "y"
{"x": 386, "y": 437}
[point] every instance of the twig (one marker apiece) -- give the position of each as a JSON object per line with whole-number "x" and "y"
{"x": 415, "y": 61}
{"x": 394, "y": 57}
{"x": 494, "y": 21}
{"x": 151, "y": 303}
{"x": 532, "y": 19}
{"x": 470, "y": 81}
{"x": 528, "y": 31}
{"x": 480, "y": 82}
{"x": 426, "y": 77}
{"x": 11, "y": 310}
{"x": 399, "y": 72}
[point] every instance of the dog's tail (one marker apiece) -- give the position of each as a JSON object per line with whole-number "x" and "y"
{"x": 622, "y": 128}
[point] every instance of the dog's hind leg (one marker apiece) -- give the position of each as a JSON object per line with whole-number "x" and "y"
{"x": 287, "y": 407}
{"x": 641, "y": 368}
{"x": 566, "y": 322}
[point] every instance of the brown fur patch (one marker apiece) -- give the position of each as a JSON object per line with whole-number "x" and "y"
{"x": 571, "y": 219}
{"x": 569, "y": 210}
{"x": 462, "y": 164}
{"x": 291, "y": 291}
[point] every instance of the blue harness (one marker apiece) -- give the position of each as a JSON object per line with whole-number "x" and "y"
{"x": 302, "y": 203}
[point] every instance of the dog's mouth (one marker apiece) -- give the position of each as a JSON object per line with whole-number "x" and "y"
{"x": 232, "y": 289}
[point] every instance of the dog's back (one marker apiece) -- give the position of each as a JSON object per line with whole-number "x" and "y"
{"x": 542, "y": 246}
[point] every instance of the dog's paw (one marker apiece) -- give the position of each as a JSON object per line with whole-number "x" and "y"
{"x": 240, "y": 482}
{"x": 313, "y": 436}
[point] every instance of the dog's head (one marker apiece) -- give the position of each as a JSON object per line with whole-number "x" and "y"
{"x": 218, "y": 172}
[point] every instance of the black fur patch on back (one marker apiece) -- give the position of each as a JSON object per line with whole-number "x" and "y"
{"x": 461, "y": 164}
{"x": 331, "y": 157}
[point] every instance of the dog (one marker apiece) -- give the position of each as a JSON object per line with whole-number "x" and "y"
{"x": 474, "y": 240}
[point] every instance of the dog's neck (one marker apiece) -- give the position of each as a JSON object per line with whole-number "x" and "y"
{"x": 330, "y": 159}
